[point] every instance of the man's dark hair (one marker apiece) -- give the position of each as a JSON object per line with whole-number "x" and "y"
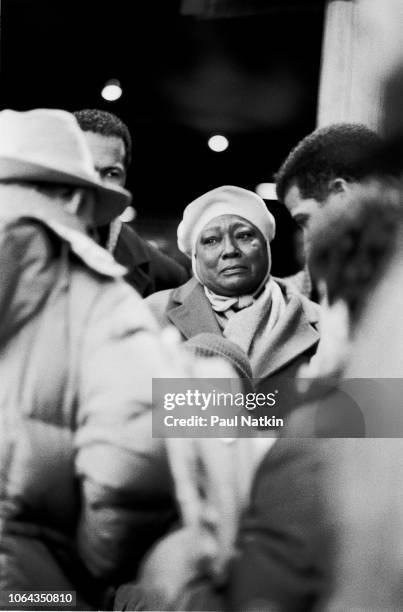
{"x": 350, "y": 246}
{"x": 337, "y": 151}
{"x": 107, "y": 124}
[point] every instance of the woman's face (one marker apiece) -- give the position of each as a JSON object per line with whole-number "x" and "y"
{"x": 231, "y": 256}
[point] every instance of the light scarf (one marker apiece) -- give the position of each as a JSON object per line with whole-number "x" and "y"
{"x": 251, "y": 327}
{"x": 229, "y": 305}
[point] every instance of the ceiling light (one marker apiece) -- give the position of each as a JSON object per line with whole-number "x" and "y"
{"x": 112, "y": 90}
{"x": 218, "y": 143}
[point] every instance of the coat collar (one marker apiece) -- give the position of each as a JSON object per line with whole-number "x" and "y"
{"x": 131, "y": 252}
{"x": 133, "y": 248}
{"x": 190, "y": 311}
{"x": 295, "y": 333}
{"x": 66, "y": 226}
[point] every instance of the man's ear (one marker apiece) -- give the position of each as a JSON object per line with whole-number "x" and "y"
{"x": 338, "y": 185}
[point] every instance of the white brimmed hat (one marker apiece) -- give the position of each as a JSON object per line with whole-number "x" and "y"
{"x": 226, "y": 200}
{"x": 47, "y": 145}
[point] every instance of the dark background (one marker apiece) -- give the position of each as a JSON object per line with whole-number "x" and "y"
{"x": 247, "y": 69}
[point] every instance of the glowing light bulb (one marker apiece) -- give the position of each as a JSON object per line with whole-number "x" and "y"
{"x": 112, "y": 90}
{"x": 218, "y": 143}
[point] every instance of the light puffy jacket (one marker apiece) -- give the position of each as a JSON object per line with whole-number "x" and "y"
{"x": 84, "y": 489}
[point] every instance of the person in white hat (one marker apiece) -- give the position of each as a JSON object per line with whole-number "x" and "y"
{"x": 227, "y": 233}
{"x": 78, "y": 352}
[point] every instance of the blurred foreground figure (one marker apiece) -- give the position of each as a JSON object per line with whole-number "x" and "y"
{"x": 212, "y": 479}
{"x": 110, "y": 143}
{"x": 78, "y": 350}
{"x": 350, "y": 247}
{"x": 367, "y": 498}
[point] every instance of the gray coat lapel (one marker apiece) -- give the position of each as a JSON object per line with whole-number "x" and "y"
{"x": 295, "y": 333}
{"x": 190, "y": 311}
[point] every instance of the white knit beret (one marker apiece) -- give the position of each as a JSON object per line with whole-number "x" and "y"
{"x": 226, "y": 200}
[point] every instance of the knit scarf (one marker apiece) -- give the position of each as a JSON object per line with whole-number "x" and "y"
{"x": 250, "y": 328}
{"x": 229, "y": 305}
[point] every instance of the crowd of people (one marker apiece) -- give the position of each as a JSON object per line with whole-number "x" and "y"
{"x": 91, "y": 502}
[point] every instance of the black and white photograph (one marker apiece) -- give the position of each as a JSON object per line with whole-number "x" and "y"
{"x": 201, "y": 283}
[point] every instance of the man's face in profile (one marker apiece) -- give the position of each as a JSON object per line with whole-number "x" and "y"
{"x": 302, "y": 210}
{"x": 108, "y": 153}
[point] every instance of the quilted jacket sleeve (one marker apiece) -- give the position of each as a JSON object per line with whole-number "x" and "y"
{"x": 126, "y": 485}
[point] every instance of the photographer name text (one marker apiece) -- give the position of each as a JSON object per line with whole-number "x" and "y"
{"x": 216, "y": 421}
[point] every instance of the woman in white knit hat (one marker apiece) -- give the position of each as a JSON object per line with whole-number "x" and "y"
{"x": 227, "y": 234}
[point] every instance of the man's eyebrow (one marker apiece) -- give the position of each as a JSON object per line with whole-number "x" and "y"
{"x": 116, "y": 166}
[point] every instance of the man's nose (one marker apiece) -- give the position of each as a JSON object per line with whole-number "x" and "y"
{"x": 231, "y": 248}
